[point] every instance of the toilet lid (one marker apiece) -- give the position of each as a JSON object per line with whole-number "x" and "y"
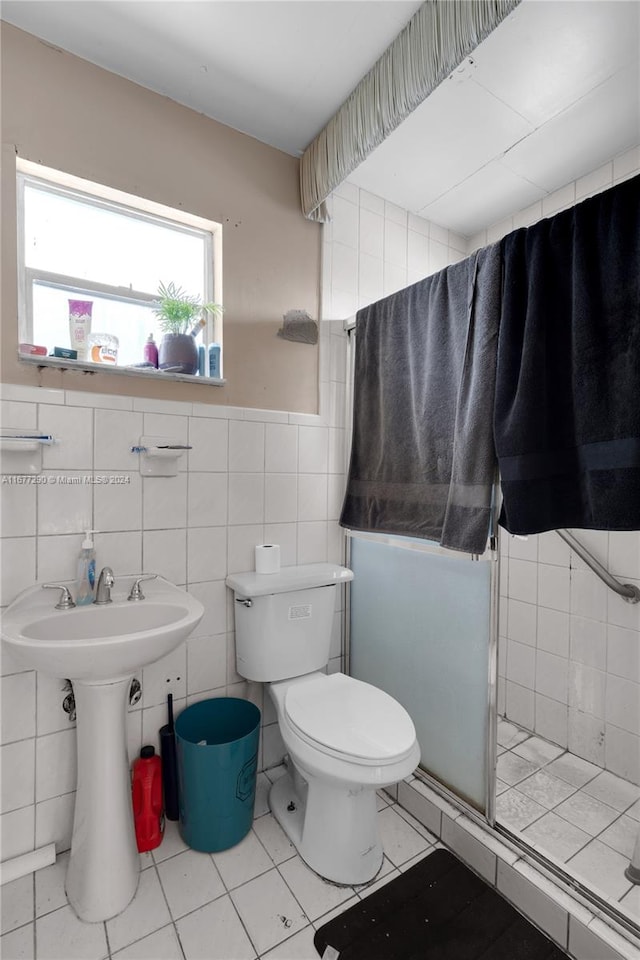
{"x": 350, "y": 717}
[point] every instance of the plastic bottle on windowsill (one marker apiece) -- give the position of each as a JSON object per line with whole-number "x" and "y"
{"x": 214, "y": 360}
{"x": 150, "y": 352}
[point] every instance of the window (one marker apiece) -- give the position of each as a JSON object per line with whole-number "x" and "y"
{"x": 81, "y": 241}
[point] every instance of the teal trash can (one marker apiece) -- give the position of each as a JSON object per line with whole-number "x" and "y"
{"x": 217, "y": 753}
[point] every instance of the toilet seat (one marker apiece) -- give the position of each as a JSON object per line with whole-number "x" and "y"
{"x": 346, "y": 718}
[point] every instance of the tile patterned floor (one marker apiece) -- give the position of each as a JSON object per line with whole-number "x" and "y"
{"x": 573, "y": 811}
{"x": 257, "y": 900}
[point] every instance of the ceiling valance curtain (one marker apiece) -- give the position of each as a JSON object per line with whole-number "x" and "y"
{"x": 437, "y": 38}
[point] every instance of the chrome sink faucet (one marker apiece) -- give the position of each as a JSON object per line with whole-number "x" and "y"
{"x": 65, "y": 601}
{"x": 105, "y": 581}
{"x": 136, "y": 590}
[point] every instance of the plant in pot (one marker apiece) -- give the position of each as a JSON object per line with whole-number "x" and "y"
{"x": 181, "y": 316}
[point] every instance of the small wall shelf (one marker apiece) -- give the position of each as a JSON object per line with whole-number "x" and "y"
{"x": 21, "y": 450}
{"x": 159, "y": 456}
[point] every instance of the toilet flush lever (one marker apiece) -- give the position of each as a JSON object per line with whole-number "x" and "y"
{"x": 245, "y": 603}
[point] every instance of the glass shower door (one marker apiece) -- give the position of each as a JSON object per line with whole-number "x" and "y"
{"x": 421, "y": 628}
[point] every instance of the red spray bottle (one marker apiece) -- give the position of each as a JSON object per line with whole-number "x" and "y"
{"x": 148, "y": 814}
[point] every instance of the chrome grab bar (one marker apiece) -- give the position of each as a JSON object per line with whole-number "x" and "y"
{"x": 626, "y": 590}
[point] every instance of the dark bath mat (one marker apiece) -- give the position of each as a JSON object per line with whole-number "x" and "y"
{"x": 437, "y": 910}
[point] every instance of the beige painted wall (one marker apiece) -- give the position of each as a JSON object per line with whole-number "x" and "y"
{"x": 65, "y": 113}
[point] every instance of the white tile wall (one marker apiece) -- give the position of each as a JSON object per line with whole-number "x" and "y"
{"x": 581, "y": 685}
{"x": 250, "y": 476}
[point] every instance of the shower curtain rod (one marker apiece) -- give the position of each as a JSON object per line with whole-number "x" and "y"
{"x": 626, "y": 590}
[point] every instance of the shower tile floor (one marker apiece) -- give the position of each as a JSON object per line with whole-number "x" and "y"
{"x": 257, "y": 900}
{"x": 573, "y": 811}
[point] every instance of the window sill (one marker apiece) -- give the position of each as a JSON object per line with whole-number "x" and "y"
{"x": 146, "y": 372}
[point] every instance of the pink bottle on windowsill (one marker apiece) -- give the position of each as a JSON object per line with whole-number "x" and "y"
{"x": 151, "y": 351}
{"x": 80, "y": 326}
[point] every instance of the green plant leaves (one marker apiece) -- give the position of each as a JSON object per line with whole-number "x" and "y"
{"x": 177, "y": 310}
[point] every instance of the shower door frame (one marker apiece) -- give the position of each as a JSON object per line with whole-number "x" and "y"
{"x": 488, "y": 816}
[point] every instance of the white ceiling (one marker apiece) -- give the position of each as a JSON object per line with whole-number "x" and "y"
{"x": 550, "y": 95}
{"x": 275, "y": 69}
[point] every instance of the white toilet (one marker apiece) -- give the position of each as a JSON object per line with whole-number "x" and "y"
{"x": 345, "y": 738}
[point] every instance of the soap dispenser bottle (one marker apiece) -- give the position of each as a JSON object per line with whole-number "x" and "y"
{"x": 86, "y": 572}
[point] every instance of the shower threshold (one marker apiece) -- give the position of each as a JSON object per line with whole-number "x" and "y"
{"x": 571, "y": 811}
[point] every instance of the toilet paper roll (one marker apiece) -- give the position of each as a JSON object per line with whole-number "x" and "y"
{"x": 268, "y": 558}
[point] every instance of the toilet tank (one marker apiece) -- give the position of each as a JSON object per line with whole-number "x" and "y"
{"x": 284, "y": 620}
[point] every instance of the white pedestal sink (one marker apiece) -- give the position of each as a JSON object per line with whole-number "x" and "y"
{"x": 100, "y": 648}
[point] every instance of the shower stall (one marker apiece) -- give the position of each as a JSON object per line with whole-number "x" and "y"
{"x": 521, "y": 671}
{"x": 503, "y": 730}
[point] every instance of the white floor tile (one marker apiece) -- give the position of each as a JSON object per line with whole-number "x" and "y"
{"x": 315, "y": 895}
{"x": 517, "y": 811}
{"x": 320, "y": 922}
{"x": 584, "y": 802}
{"x": 61, "y": 936}
{"x": 413, "y": 822}
{"x": 586, "y": 812}
{"x": 263, "y": 785}
{"x": 382, "y": 881}
{"x": 537, "y": 750}
{"x": 18, "y": 945}
{"x": 603, "y": 869}
{"x": 248, "y": 859}
{"x": 612, "y": 790}
{"x": 17, "y": 903}
{"x": 172, "y": 842}
{"x": 274, "y": 773}
{"x": 546, "y": 790}
{"x": 268, "y": 910}
{"x": 146, "y": 912}
{"x": 161, "y": 945}
{"x": 215, "y": 933}
{"x": 634, "y": 811}
{"x": 298, "y": 947}
{"x": 400, "y": 841}
{"x": 509, "y": 734}
{"x": 621, "y": 835}
{"x": 573, "y": 769}
{"x": 146, "y": 860}
{"x": 557, "y": 836}
{"x": 387, "y": 867}
{"x": 189, "y": 880}
{"x": 512, "y": 769}
{"x": 630, "y": 902}
{"x": 414, "y": 860}
{"x": 273, "y": 839}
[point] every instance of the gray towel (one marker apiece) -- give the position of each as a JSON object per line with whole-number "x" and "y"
{"x": 422, "y": 458}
